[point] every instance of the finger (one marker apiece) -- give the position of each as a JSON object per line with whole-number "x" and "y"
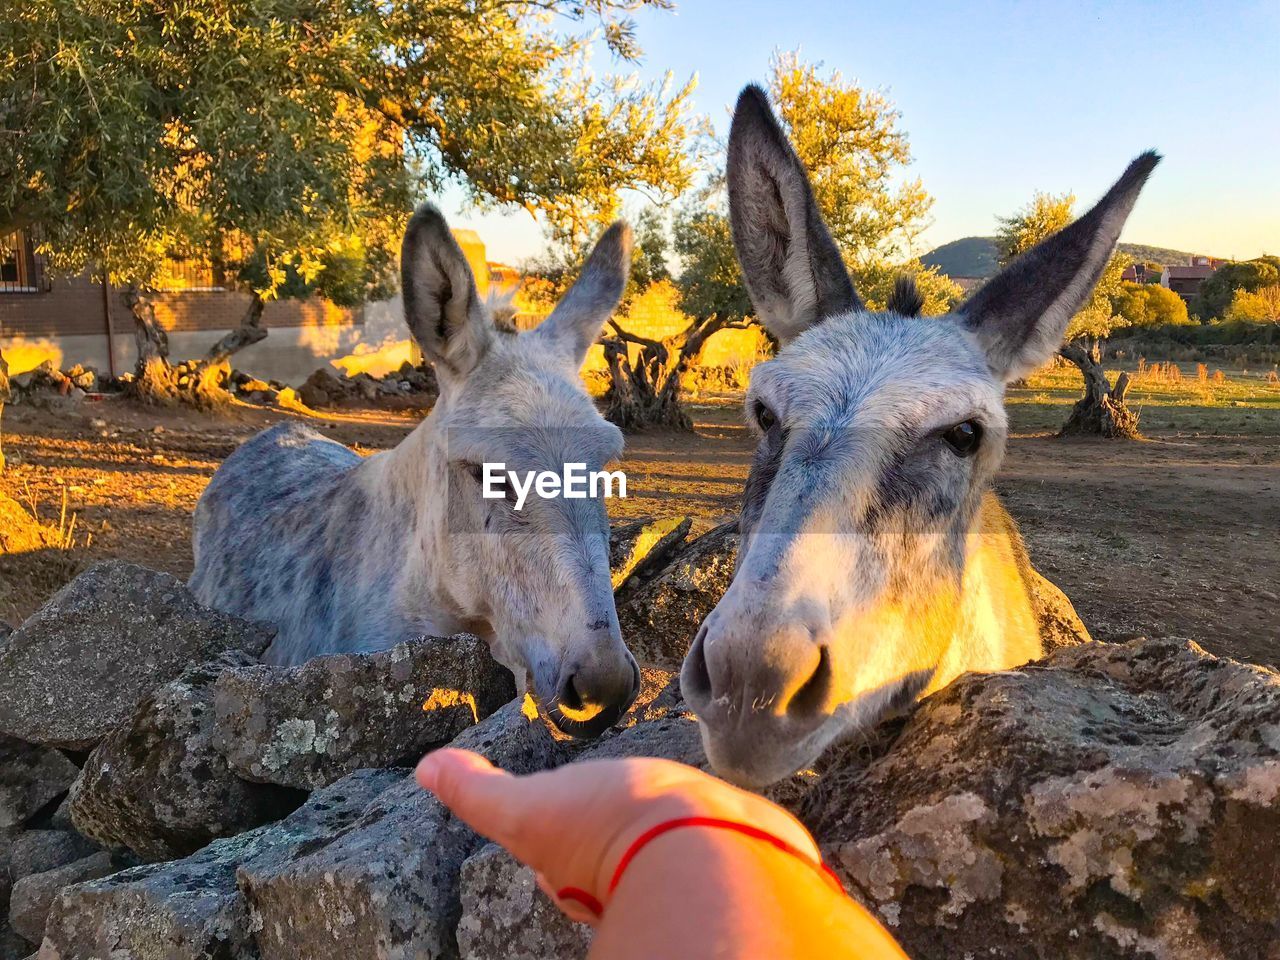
{"x": 482, "y": 795}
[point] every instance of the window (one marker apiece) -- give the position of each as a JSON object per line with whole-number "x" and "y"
{"x": 21, "y": 268}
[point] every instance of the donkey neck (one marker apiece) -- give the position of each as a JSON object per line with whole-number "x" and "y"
{"x": 411, "y": 474}
{"x": 996, "y": 628}
{"x": 411, "y": 484}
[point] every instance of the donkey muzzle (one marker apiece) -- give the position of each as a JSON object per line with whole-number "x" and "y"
{"x": 761, "y": 699}
{"x": 591, "y": 698}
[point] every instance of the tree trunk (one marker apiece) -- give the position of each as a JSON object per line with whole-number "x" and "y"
{"x": 155, "y": 380}
{"x": 645, "y": 392}
{"x": 248, "y": 333}
{"x": 4, "y": 395}
{"x": 1101, "y": 411}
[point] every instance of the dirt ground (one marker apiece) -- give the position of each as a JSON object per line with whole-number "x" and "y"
{"x": 1177, "y": 536}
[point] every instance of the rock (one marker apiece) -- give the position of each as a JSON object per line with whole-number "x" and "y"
{"x": 82, "y": 664}
{"x": 309, "y": 725}
{"x": 31, "y": 777}
{"x": 660, "y": 616}
{"x": 158, "y": 785}
{"x": 365, "y": 386}
{"x": 387, "y": 887}
{"x": 505, "y": 916}
{"x": 1060, "y": 625}
{"x": 323, "y": 389}
{"x": 641, "y": 547}
{"x": 253, "y": 385}
{"x": 659, "y": 695}
{"x": 1112, "y": 801}
{"x": 192, "y": 907}
{"x": 12, "y": 946}
{"x": 6, "y": 877}
{"x": 38, "y": 851}
{"x": 33, "y": 895}
{"x": 673, "y": 737}
{"x": 313, "y": 397}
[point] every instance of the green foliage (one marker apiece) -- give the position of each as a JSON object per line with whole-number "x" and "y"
{"x": 649, "y": 252}
{"x": 1255, "y": 306}
{"x": 710, "y": 282}
{"x": 285, "y": 139}
{"x": 850, "y": 141}
{"x": 1044, "y": 215}
{"x": 1216, "y": 293}
{"x": 1149, "y": 305}
{"x": 1047, "y": 214}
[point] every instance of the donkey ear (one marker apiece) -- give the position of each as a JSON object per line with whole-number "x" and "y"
{"x": 575, "y": 323}
{"x": 1020, "y": 315}
{"x": 441, "y": 306}
{"x": 792, "y": 268}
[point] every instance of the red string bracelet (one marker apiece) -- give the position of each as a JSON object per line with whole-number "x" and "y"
{"x": 593, "y": 904}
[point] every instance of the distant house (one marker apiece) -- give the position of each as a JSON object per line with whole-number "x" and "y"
{"x": 1185, "y": 279}
{"x": 1137, "y": 273}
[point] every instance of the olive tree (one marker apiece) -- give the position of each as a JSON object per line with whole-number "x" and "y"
{"x": 851, "y": 141}
{"x": 284, "y": 141}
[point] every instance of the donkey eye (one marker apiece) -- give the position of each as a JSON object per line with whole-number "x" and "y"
{"x": 765, "y": 417}
{"x": 964, "y": 438}
{"x": 474, "y": 470}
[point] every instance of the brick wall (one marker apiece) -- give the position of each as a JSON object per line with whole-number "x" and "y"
{"x": 75, "y": 308}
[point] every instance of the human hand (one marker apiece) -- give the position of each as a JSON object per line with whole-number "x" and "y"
{"x": 573, "y": 825}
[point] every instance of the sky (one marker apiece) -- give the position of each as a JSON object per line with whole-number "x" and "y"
{"x": 1001, "y": 99}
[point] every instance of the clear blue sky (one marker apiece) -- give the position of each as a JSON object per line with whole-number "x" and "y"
{"x": 1001, "y": 99}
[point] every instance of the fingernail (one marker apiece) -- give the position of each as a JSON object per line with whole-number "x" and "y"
{"x": 425, "y": 773}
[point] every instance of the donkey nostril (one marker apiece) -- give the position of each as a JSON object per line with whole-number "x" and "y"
{"x": 569, "y": 696}
{"x": 695, "y": 676}
{"x": 813, "y": 696}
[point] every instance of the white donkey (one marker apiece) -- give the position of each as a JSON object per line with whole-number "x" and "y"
{"x": 875, "y": 565}
{"x": 346, "y": 554}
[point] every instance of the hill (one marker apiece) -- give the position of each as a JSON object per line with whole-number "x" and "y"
{"x": 1160, "y": 255}
{"x": 966, "y": 257}
{"x": 976, "y": 256}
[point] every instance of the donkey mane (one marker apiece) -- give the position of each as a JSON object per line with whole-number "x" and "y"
{"x": 906, "y": 299}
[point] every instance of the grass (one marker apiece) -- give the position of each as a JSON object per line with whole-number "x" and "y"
{"x": 1171, "y": 398}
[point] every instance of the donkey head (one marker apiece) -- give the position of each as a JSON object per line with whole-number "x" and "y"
{"x": 878, "y": 436}
{"x": 535, "y": 582}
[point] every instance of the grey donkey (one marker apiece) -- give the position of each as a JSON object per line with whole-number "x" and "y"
{"x": 345, "y": 553}
{"x": 875, "y": 564}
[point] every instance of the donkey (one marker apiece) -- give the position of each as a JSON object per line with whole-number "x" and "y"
{"x": 874, "y": 565}
{"x": 352, "y": 554}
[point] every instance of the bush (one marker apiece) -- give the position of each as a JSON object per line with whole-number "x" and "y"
{"x": 1149, "y": 305}
{"x": 1260, "y": 306}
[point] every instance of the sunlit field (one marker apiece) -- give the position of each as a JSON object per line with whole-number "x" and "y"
{"x": 1185, "y": 399}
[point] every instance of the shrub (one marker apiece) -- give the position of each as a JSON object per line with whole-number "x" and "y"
{"x": 1255, "y": 306}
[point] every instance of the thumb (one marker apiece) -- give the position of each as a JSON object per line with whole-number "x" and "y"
{"x": 485, "y": 797}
